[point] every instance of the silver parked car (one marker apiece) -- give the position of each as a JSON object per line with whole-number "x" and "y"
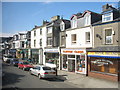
{"x": 43, "y": 71}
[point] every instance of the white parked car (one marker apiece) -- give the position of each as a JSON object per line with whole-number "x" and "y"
{"x": 53, "y": 66}
{"x": 43, "y": 71}
{"x": 7, "y": 58}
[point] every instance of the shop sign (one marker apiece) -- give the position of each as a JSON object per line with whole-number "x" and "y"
{"x": 51, "y": 50}
{"x": 100, "y": 62}
{"x": 70, "y": 51}
{"x": 105, "y": 53}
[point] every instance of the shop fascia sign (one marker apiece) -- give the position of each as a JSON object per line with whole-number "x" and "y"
{"x": 72, "y": 51}
{"x": 100, "y": 62}
{"x": 104, "y": 53}
{"x": 51, "y": 50}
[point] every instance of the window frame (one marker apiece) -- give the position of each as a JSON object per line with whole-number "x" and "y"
{"x": 73, "y": 41}
{"x": 50, "y": 40}
{"x": 40, "y": 31}
{"x": 86, "y": 37}
{"x": 111, "y": 36}
{"x": 104, "y": 17}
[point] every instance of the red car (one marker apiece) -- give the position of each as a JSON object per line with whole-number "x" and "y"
{"x": 24, "y": 65}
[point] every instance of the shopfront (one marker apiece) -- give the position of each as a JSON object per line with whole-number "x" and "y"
{"x": 74, "y": 60}
{"x": 104, "y": 65}
{"x": 52, "y": 56}
{"x": 35, "y": 55}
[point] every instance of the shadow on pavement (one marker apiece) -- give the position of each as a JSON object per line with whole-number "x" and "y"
{"x": 59, "y": 78}
{"x": 10, "y": 78}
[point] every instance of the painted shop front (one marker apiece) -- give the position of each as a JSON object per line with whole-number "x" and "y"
{"x": 52, "y": 56}
{"x": 35, "y": 55}
{"x": 22, "y": 53}
{"x": 74, "y": 60}
{"x": 104, "y": 65}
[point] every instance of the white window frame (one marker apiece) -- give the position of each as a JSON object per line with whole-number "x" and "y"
{"x": 50, "y": 42}
{"x": 104, "y": 17}
{"x": 62, "y": 27}
{"x": 108, "y": 36}
{"x": 49, "y": 30}
{"x": 74, "y": 23}
{"x": 72, "y": 41}
{"x": 87, "y": 41}
{"x": 87, "y": 20}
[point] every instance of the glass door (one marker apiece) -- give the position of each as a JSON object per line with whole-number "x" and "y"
{"x": 71, "y": 65}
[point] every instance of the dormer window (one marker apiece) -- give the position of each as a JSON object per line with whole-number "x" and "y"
{"x": 74, "y": 23}
{"x": 87, "y": 20}
{"x": 49, "y": 30}
{"x": 107, "y": 17}
{"x": 62, "y": 27}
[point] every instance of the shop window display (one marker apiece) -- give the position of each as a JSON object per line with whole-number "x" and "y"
{"x": 105, "y": 65}
{"x": 65, "y": 62}
{"x": 52, "y": 58}
{"x": 80, "y": 63}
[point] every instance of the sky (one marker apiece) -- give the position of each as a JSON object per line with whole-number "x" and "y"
{"x": 23, "y": 16}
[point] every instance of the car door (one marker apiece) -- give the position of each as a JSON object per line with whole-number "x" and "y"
{"x": 36, "y": 70}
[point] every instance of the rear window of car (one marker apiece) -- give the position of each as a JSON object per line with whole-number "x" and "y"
{"x": 46, "y": 68}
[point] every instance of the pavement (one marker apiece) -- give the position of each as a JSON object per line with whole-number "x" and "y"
{"x": 83, "y": 81}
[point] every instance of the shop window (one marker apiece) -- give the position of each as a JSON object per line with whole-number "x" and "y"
{"x": 49, "y": 41}
{"x": 88, "y": 37}
{"x": 65, "y": 62}
{"x": 80, "y": 63}
{"x": 108, "y": 36}
{"x": 52, "y": 58}
{"x": 63, "y": 40}
{"x": 71, "y": 56}
{"x": 104, "y": 65}
{"x": 73, "y": 38}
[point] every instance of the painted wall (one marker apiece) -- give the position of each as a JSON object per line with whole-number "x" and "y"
{"x": 81, "y": 38}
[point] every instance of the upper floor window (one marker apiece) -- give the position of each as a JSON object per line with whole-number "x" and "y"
{"x": 87, "y": 20}
{"x": 34, "y": 43}
{"x": 74, "y": 23}
{"x": 63, "y": 40}
{"x": 35, "y": 33}
{"x": 62, "y": 27}
{"x": 40, "y": 42}
{"x": 49, "y": 41}
{"x": 87, "y": 37}
{"x": 108, "y": 36}
{"x": 49, "y": 30}
{"x": 40, "y": 31}
{"x": 73, "y": 38}
{"x": 107, "y": 17}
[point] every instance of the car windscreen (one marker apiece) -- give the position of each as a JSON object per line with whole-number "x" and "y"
{"x": 25, "y": 63}
{"x": 46, "y": 68}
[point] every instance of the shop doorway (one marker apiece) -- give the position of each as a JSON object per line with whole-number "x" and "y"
{"x": 71, "y": 65}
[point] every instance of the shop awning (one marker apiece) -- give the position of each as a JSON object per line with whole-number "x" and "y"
{"x": 104, "y": 56}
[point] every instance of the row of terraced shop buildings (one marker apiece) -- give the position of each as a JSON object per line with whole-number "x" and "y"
{"x": 87, "y": 44}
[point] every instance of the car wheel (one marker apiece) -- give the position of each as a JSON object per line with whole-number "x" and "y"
{"x": 39, "y": 76}
{"x": 30, "y": 72}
